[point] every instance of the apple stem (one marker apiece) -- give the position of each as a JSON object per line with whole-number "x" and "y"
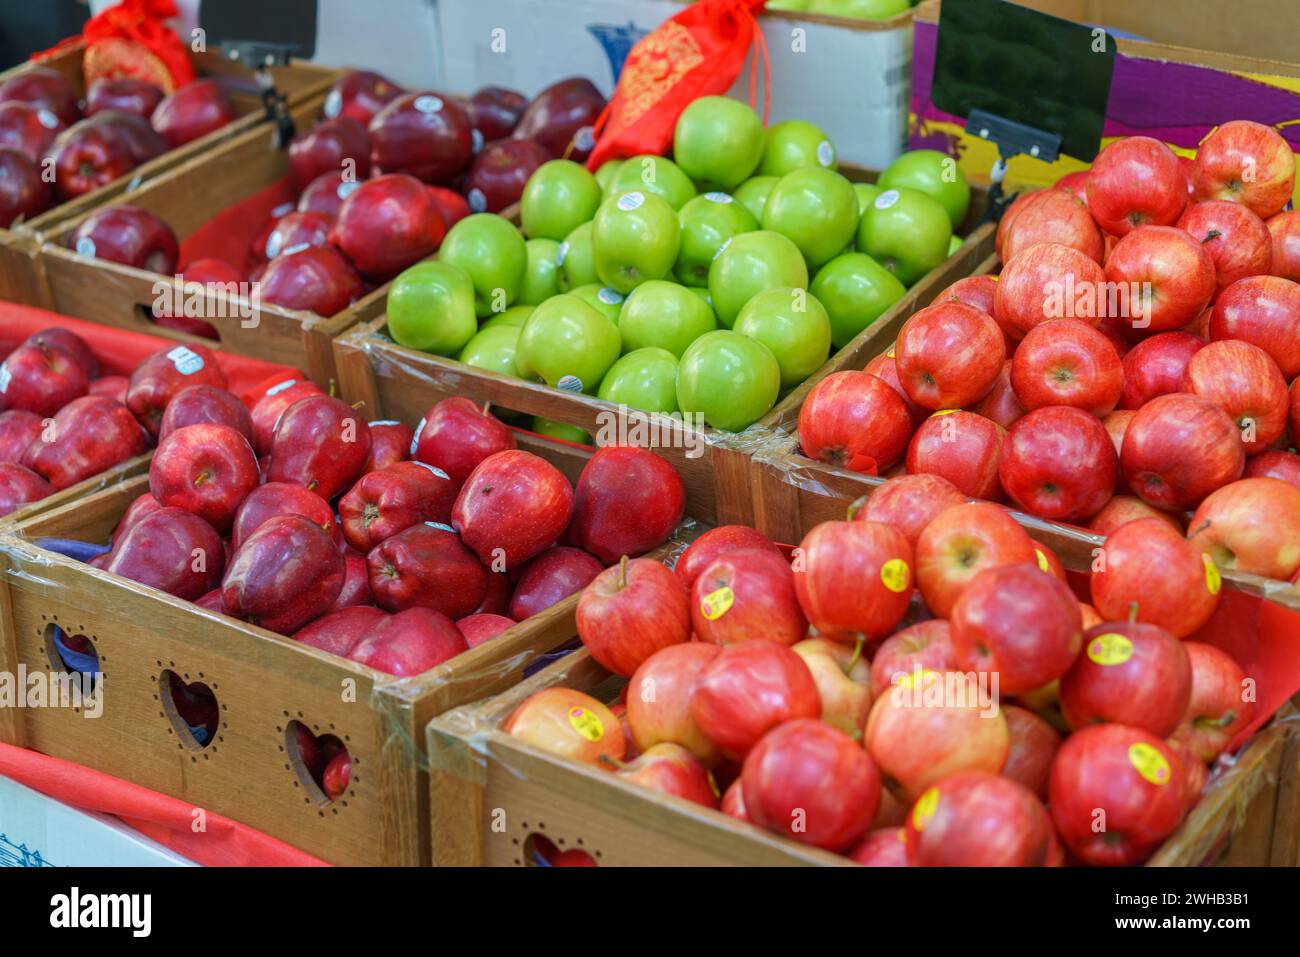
{"x": 857, "y": 654}
{"x": 1132, "y": 612}
{"x": 486, "y": 406}
{"x": 855, "y": 506}
{"x": 613, "y": 762}
{"x": 1211, "y": 235}
{"x": 622, "y": 572}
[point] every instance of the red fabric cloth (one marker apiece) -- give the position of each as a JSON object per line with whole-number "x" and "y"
{"x": 229, "y": 235}
{"x": 169, "y": 821}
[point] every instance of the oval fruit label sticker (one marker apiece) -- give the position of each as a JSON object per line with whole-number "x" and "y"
{"x": 896, "y": 575}
{"x": 717, "y": 602}
{"x": 1149, "y": 763}
{"x": 1110, "y": 649}
{"x": 1213, "y": 580}
{"x": 1043, "y": 563}
{"x": 926, "y": 806}
{"x": 586, "y": 724}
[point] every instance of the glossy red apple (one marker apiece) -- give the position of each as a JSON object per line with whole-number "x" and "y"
{"x": 1122, "y": 509}
{"x": 926, "y": 645}
{"x": 125, "y": 94}
{"x": 325, "y": 194}
{"x": 1168, "y": 275}
{"x": 1248, "y": 163}
{"x": 1067, "y": 362}
{"x": 963, "y": 449}
{"x": 297, "y": 230}
{"x": 45, "y": 88}
{"x": 193, "y": 110}
{"x": 19, "y": 428}
{"x": 627, "y": 501}
{"x": 321, "y": 443}
{"x": 24, "y": 195}
{"x": 884, "y": 367}
{"x": 1133, "y": 182}
{"x": 978, "y": 819}
{"x": 495, "y": 111}
{"x": 909, "y": 503}
{"x": 569, "y": 724}
{"x": 1252, "y": 525}
{"x": 747, "y": 594}
{"x": 386, "y": 502}
{"x": 426, "y": 566}
{"x": 747, "y": 690}
{"x": 853, "y": 579}
{"x": 267, "y": 408}
{"x": 20, "y": 486}
{"x": 659, "y": 699}
{"x": 41, "y": 379}
{"x": 143, "y": 140}
{"x": 855, "y": 420}
{"x": 550, "y": 578}
{"x": 1261, "y": 310}
{"x": 514, "y": 505}
{"x": 424, "y": 134}
{"x": 977, "y": 291}
{"x": 205, "y": 469}
{"x": 89, "y": 155}
{"x": 1278, "y": 465}
{"x": 206, "y": 405}
{"x": 1056, "y": 216}
{"x": 86, "y": 436}
{"x": 949, "y": 355}
{"x": 670, "y": 769}
{"x": 1218, "y": 708}
{"x": 481, "y": 628}
{"x": 960, "y": 543}
{"x": 1034, "y": 744}
{"x": 1001, "y": 404}
{"x": 1059, "y": 463}
{"x": 31, "y": 130}
{"x": 409, "y": 643}
{"x": 884, "y": 847}
{"x": 630, "y": 611}
{"x": 1180, "y": 600}
{"x": 714, "y": 543}
{"x": 280, "y": 498}
{"x": 558, "y": 116}
{"x": 313, "y": 279}
{"x": 451, "y": 205}
{"x": 1246, "y": 383}
{"x": 456, "y": 435}
{"x": 1236, "y": 239}
{"x": 386, "y": 224}
{"x": 1156, "y": 366}
{"x": 1049, "y": 281}
{"x": 1284, "y": 241}
{"x": 1178, "y": 449}
{"x": 172, "y": 550}
{"x": 110, "y": 387}
{"x": 356, "y": 583}
{"x": 127, "y": 235}
{"x": 327, "y": 147}
{"x": 812, "y": 783}
{"x": 360, "y": 94}
{"x": 498, "y": 174}
{"x": 1127, "y": 774}
{"x": 339, "y": 631}
{"x": 1129, "y": 673}
{"x": 390, "y": 442}
{"x": 261, "y": 587}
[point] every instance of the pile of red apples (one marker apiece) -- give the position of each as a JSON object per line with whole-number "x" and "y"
{"x": 917, "y": 685}
{"x": 1137, "y": 357}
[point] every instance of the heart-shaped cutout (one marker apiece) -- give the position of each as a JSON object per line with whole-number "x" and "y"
{"x": 192, "y": 709}
{"x": 541, "y": 851}
{"x": 322, "y": 762}
{"x": 74, "y": 654}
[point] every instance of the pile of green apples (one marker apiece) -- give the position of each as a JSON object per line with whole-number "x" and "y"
{"x": 709, "y": 284}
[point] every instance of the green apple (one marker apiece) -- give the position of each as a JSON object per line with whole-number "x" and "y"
{"x": 856, "y": 291}
{"x": 644, "y": 379}
{"x": 934, "y": 173}
{"x": 574, "y": 259}
{"x": 705, "y": 297}
{"x": 753, "y": 193}
{"x": 514, "y": 316}
{"x": 634, "y": 237}
{"x": 560, "y": 430}
{"x": 663, "y": 314}
{"x": 750, "y": 264}
{"x": 605, "y": 176}
{"x": 815, "y": 208}
{"x": 792, "y": 6}
{"x": 718, "y": 142}
{"x": 542, "y": 276}
{"x": 493, "y": 348}
{"x": 794, "y": 325}
{"x": 794, "y": 144}
{"x": 608, "y": 301}
{"x": 730, "y": 379}
{"x": 954, "y": 244}
{"x": 567, "y": 344}
{"x": 708, "y": 221}
{"x": 558, "y": 197}
{"x": 905, "y": 231}
{"x": 490, "y": 249}
{"x": 654, "y": 174}
{"x": 858, "y": 9}
{"x": 431, "y": 308}
{"x": 866, "y": 193}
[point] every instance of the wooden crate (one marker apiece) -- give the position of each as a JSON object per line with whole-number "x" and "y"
{"x": 188, "y": 197}
{"x": 109, "y": 477}
{"x": 725, "y": 460}
{"x": 509, "y": 792}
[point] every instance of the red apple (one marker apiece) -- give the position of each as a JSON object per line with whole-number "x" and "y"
{"x": 498, "y": 175}
{"x": 963, "y": 449}
{"x": 205, "y": 405}
{"x": 193, "y": 110}
{"x": 127, "y": 235}
{"x": 424, "y": 134}
{"x": 1169, "y": 277}
{"x": 390, "y": 443}
{"x": 884, "y": 367}
{"x": 144, "y": 142}
{"x": 451, "y": 205}
{"x": 1129, "y": 673}
{"x": 812, "y": 783}
{"x": 854, "y": 420}
{"x": 219, "y": 278}
{"x": 125, "y": 94}
{"x": 1034, "y": 744}
{"x": 43, "y": 87}
{"x": 296, "y": 230}
{"x": 205, "y": 469}
{"x": 569, "y": 724}
{"x": 1156, "y": 366}
{"x": 325, "y": 195}
{"x": 360, "y": 94}
{"x": 1180, "y": 599}
{"x": 1133, "y": 182}
{"x": 41, "y": 379}
{"x": 386, "y": 224}
{"x": 1122, "y": 509}
{"x": 110, "y": 387}
{"x": 747, "y": 594}
{"x": 978, "y": 819}
{"x": 1251, "y": 526}
{"x": 1218, "y": 708}
{"x": 909, "y": 503}
{"x": 1067, "y": 362}
{"x": 960, "y": 543}
{"x": 1178, "y": 449}
{"x": 271, "y": 405}
{"x": 885, "y": 847}
{"x": 1049, "y": 281}
{"x": 977, "y": 291}
{"x": 20, "y": 486}
{"x": 627, "y": 502}
{"x": 1059, "y": 463}
{"x": 312, "y": 279}
{"x": 1236, "y": 239}
{"x": 280, "y": 498}
{"x": 630, "y": 611}
{"x": 1125, "y": 780}
{"x": 1278, "y": 465}
{"x": 356, "y": 583}
{"x": 409, "y": 643}
{"x": 1248, "y": 163}
{"x": 386, "y": 502}
{"x": 321, "y": 444}
{"x": 1055, "y": 217}
{"x": 1076, "y": 184}
{"x": 733, "y": 802}
{"x": 1002, "y": 405}
{"x": 853, "y": 579}
{"x": 713, "y": 544}
{"x": 172, "y": 550}
{"x": 843, "y": 678}
{"x": 1261, "y": 310}
{"x": 949, "y": 355}
{"x": 495, "y": 111}
{"x": 747, "y": 690}
{"x": 670, "y": 769}
{"x": 659, "y": 699}
{"x": 330, "y": 145}
{"x": 550, "y": 578}
{"x": 31, "y": 130}
{"x": 927, "y": 645}
{"x": 1284, "y": 242}
{"x": 456, "y": 435}
{"x": 480, "y": 628}
{"x": 262, "y": 588}
{"x": 20, "y": 428}
{"x": 514, "y": 505}
{"x": 89, "y": 155}
{"x": 426, "y": 566}
{"x": 1243, "y": 381}
{"x": 558, "y": 116}
{"x": 23, "y": 194}
{"x": 86, "y": 436}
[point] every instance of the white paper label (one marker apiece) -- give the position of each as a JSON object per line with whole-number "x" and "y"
{"x": 333, "y": 104}
{"x": 47, "y": 119}
{"x": 86, "y": 247}
{"x": 886, "y": 199}
{"x": 415, "y": 439}
{"x": 476, "y": 138}
{"x": 280, "y": 387}
{"x": 441, "y": 527}
{"x": 383, "y": 422}
{"x": 610, "y": 297}
{"x": 284, "y": 209}
{"x": 273, "y": 244}
{"x": 584, "y": 139}
{"x": 569, "y": 383}
{"x": 723, "y": 198}
{"x": 186, "y": 360}
{"x": 826, "y": 153}
{"x": 435, "y": 470}
{"x": 346, "y": 189}
{"x": 5, "y": 378}
{"x": 630, "y": 201}
{"x": 477, "y": 201}
{"x": 561, "y": 253}
{"x": 428, "y": 104}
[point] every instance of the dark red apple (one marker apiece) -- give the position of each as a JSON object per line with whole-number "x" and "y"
{"x": 1178, "y": 449}
{"x": 127, "y": 235}
{"x": 41, "y": 379}
{"x": 387, "y": 224}
{"x": 87, "y": 436}
{"x": 143, "y": 504}
{"x": 172, "y": 550}
{"x": 19, "y": 428}
{"x": 206, "y": 404}
{"x": 89, "y": 155}
{"x": 297, "y": 230}
{"x": 1278, "y": 465}
{"x": 627, "y": 501}
{"x": 560, "y": 117}
{"x": 480, "y": 628}
{"x": 279, "y": 498}
{"x": 313, "y": 279}
{"x": 424, "y": 134}
{"x": 20, "y": 486}
{"x": 321, "y": 443}
{"x": 205, "y": 469}
{"x": 514, "y": 505}
{"x": 383, "y": 503}
{"x": 110, "y": 387}
{"x": 267, "y": 410}
{"x": 31, "y": 130}
{"x": 456, "y": 435}
{"x": 426, "y": 566}
{"x": 330, "y": 145}
{"x": 1059, "y": 463}
{"x": 551, "y": 577}
{"x": 390, "y": 443}
{"x": 360, "y": 94}
{"x": 630, "y": 611}
{"x": 23, "y": 193}
{"x": 409, "y": 643}
{"x": 158, "y": 379}
{"x": 498, "y": 174}
{"x": 261, "y": 587}
{"x": 145, "y": 142}
{"x": 127, "y": 95}
{"x": 495, "y": 111}
{"x": 45, "y": 88}
{"x": 1129, "y": 673}
{"x": 194, "y": 110}
{"x": 1034, "y": 744}
{"x": 325, "y": 194}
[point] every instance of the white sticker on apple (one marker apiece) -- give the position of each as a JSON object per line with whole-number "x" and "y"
{"x": 186, "y": 360}
{"x": 284, "y": 209}
{"x": 295, "y": 249}
{"x": 273, "y": 244}
{"x": 569, "y": 383}
{"x": 415, "y": 440}
{"x": 428, "y": 104}
{"x": 718, "y": 197}
{"x": 333, "y": 104}
{"x": 346, "y": 189}
{"x": 441, "y": 527}
{"x": 5, "y": 378}
{"x": 432, "y": 468}
{"x": 826, "y": 153}
{"x": 277, "y": 389}
{"x": 476, "y": 138}
{"x": 477, "y": 201}
{"x": 384, "y": 422}
{"x": 584, "y": 139}
{"x": 47, "y": 119}
{"x": 630, "y": 201}
{"x": 610, "y": 297}
{"x": 886, "y": 199}
{"x": 561, "y": 253}
{"x": 86, "y": 247}
{"x": 725, "y": 243}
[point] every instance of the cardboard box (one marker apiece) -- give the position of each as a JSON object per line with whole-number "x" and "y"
{"x": 38, "y": 831}
{"x": 1178, "y": 74}
{"x": 849, "y": 77}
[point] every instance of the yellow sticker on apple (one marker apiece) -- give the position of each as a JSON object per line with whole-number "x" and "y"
{"x": 1110, "y": 649}
{"x": 1150, "y": 763}
{"x": 1213, "y": 580}
{"x": 896, "y": 575}
{"x": 944, "y": 412}
{"x": 1043, "y": 563}
{"x": 717, "y": 603}
{"x": 890, "y": 353}
{"x": 586, "y": 723}
{"x": 924, "y": 810}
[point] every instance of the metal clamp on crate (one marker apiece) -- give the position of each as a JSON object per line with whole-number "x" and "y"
{"x": 259, "y": 57}
{"x": 1011, "y": 139}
